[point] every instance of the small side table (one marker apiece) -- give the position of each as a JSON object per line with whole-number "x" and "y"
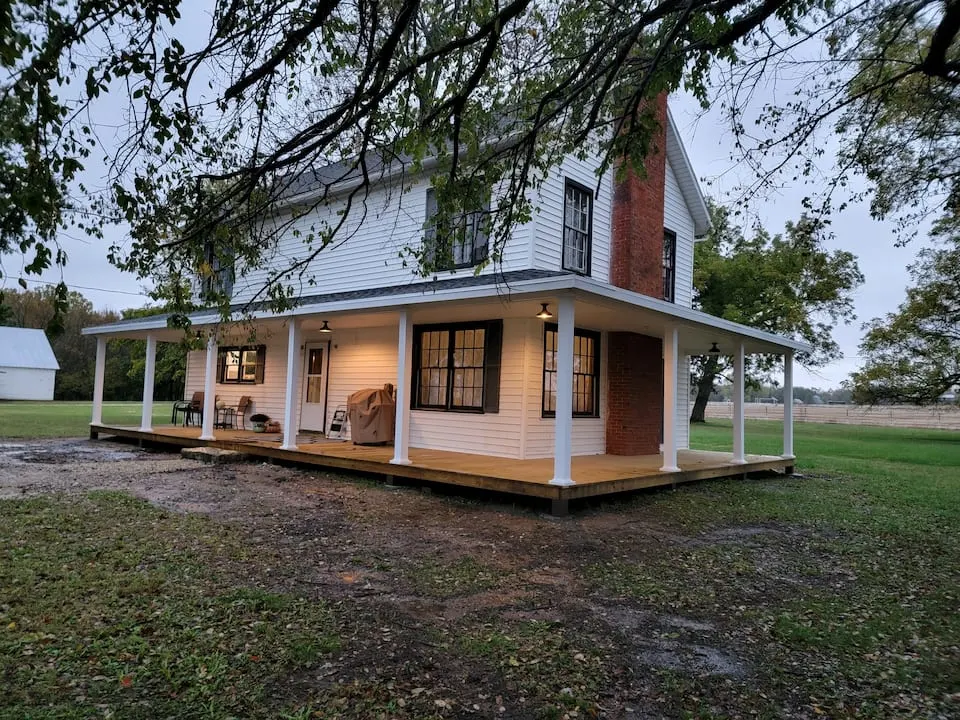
{"x": 226, "y": 418}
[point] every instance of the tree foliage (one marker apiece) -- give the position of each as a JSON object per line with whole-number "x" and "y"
{"x": 787, "y": 284}
{"x": 913, "y": 355}
{"x": 224, "y": 127}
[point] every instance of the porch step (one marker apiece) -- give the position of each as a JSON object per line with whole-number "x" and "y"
{"x": 215, "y": 456}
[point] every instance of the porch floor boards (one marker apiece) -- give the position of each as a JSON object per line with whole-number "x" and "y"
{"x": 594, "y": 474}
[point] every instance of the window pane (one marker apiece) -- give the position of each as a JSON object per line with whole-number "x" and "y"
{"x": 315, "y": 362}
{"x": 315, "y": 389}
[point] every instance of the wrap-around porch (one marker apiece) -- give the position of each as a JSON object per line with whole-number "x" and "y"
{"x": 594, "y": 475}
{"x": 515, "y": 446}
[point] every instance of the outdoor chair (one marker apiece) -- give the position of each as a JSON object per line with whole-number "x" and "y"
{"x": 227, "y": 417}
{"x": 188, "y": 408}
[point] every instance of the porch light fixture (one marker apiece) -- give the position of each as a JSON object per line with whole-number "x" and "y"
{"x": 544, "y": 313}
{"x": 714, "y": 351}
{"x": 325, "y": 328}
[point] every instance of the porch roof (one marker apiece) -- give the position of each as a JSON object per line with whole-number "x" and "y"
{"x": 609, "y": 307}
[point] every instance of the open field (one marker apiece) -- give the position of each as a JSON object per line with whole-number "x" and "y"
{"x": 943, "y": 417}
{"x": 142, "y": 585}
{"x": 68, "y": 419}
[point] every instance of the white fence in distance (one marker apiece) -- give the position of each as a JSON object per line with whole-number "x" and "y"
{"x": 943, "y": 417}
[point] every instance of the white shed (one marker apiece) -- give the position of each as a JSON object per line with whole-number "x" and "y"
{"x": 28, "y": 366}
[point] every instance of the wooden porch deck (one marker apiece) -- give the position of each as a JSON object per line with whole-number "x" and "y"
{"x": 594, "y": 474}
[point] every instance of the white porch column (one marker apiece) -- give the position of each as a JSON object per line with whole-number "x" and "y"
{"x": 146, "y": 417}
{"x": 671, "y": 352}
{"x": 563, "y": 427}
{"x": 209, "y": 390}
{"x": 96, "y": 416}
{"x": 788, "y": 405}
{"x": 401, "y": 433}
{"x": 292, "y": 388}
{"x": 739, "y": 378}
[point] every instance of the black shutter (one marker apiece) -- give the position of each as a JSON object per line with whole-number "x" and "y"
{"x": 261, "y": 362}
{"x": 221, "y": 362}
{"x": 491, "y": 366}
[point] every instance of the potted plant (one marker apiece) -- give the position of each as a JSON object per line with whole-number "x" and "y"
{"x": 259, "y": 422}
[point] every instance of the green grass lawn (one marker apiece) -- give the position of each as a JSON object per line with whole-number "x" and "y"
{"x": 69, "y": 419}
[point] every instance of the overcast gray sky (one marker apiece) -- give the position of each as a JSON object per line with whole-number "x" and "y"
{"x": 709, "y": 146}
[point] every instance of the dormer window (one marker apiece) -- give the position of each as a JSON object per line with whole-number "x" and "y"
{"x": 669, "y": 265}
{"x": 460, "y": 243}
{"x": 577, "y": 227}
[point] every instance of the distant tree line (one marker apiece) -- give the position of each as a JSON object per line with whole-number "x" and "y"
{"x": 77, "y": 353}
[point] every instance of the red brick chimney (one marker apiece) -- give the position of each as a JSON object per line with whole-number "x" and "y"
{"x": 634, "y": 361}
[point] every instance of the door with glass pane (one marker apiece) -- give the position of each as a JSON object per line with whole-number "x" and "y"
{"x": 314, "y": 407}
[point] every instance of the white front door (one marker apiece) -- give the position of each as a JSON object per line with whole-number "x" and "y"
{"x": 314, "y": 408}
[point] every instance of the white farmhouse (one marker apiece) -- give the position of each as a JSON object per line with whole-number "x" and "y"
{"x": 28, "y": 367}
{"x": 560, "y": 372}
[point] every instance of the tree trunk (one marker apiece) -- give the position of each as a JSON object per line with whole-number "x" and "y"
{"x": 704, "y": 390}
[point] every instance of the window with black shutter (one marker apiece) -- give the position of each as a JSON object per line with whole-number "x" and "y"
{"x": 460, "y": 242}
{"x": 457, "y": 367}
{"x": 243, "y": 364}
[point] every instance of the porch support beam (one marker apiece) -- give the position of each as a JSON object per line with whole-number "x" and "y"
{"x": 788, "y": 405}
{"x": 292, "y": 387}
{"x": 671, "y": 351}
{"x": 401, "y": 433}
{"x": 149, "y": 366}
{"x": 210, "y": 389}
{"x": 563, "y": 426}
{"x": 739, "y": 378}
{"x": 96, "y": 416}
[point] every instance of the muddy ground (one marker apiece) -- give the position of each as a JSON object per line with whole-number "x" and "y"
{"x": 422, "y": 571}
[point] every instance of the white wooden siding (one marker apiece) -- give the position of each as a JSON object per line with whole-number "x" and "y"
{"x": 18, "y": 383}
{"x": 682, "y": 420}
{"x": 589, "y": 434}
{"x": 548, "y": 216}
{"x": 369, "y": 250}
{"x": 677, "y": 217}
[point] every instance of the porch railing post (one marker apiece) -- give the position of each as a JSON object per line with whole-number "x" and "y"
{"x": 563, "y": 427}
{"x": 788, "y": 405}
{"x": 96, "y": 415}
{"x": 292, "y": 386}
{"x": 210, "y": 389}
{"x": 150, "y": 361}
{"x": 401, "y": 435}
{"x": 739, "y": 379}
{"x": 670, "y": 372}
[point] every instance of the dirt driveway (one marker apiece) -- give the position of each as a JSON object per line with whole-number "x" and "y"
{"x": 612, "y": 612}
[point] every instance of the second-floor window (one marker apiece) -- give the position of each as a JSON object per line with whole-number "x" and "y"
{"x": 458, "y": 243}
{"x": 669, "y": 265}
{"x": 218, "y": 274}
{"x": 577, "y": 227}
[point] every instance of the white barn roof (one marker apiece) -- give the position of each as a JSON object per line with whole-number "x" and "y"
{"x": 26, "y": 348}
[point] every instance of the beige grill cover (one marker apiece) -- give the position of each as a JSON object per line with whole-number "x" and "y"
{"x": 372, "y": 415}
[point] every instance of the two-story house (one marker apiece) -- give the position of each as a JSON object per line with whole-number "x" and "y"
{"x": 577, "y": 344}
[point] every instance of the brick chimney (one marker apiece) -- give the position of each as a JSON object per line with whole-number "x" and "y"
{"x": 634, "y": 361}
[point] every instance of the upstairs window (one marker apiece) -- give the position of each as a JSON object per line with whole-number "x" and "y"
{"x": 669, "y": 265}
{"x": 458, "y": 243}
{"x": 457, "y": 367}
{"x": 217, "y": 275}
{"x": 241, "y": 364}
{"x": 577, "y": 227}
{"x": 586, "y": 373}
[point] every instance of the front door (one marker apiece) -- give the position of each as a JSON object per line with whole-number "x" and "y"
{"x": 314, "y": 408}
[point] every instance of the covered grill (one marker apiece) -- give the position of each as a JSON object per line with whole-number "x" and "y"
{"x": 372, "y": 414}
